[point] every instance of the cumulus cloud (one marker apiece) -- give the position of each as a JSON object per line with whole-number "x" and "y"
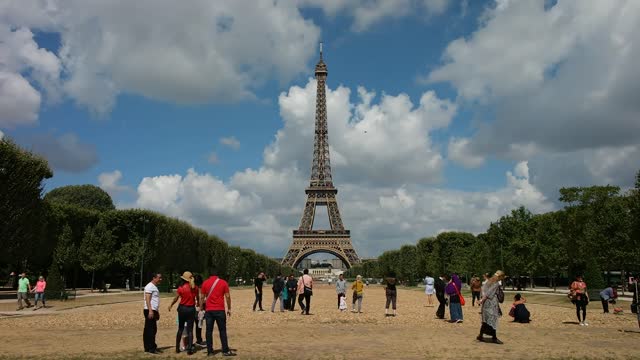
{"x": 65, "y": 152}
{"x": 460, "y": 153}
{"x": 367, "y": 13}
{"x": 110, "y": 182}
{"x": 560, "y": 80}
{"x": 366, "y": 136}
{"x": 208, "y": 51}
{"x": 19, "y": 56}
{"x": 231, "y": 142}
{"x": 259, "y": 208}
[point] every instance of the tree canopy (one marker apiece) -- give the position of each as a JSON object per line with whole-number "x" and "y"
{"x": 84, "y": 196}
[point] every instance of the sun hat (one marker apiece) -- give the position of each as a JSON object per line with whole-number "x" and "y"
{"x": 499, "y": 273}
{"x": 188, "y": 276}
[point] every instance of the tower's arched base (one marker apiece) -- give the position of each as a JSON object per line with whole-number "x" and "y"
{"x": 306, "y": 243}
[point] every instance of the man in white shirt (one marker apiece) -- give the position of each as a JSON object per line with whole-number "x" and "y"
{"x": 151, "y": 314}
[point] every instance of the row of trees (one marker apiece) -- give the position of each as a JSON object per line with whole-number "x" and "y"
{"x": 598, "y": 230}
{"x": 75, "y": 231}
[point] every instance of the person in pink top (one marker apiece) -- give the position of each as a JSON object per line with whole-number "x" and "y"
{"x": 305, "y": 291}
{"x": 39, "y": 290}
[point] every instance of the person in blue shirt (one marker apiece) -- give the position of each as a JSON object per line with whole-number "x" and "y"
{"x": 607, "y": 296}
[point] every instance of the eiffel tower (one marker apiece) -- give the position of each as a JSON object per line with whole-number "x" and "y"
{"x": 321, "y": 192}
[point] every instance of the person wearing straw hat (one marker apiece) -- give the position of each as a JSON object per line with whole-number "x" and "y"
{"x": 188, "y": 295}
{"x": 358, "y": 292}
{"x": 490, "y": 303}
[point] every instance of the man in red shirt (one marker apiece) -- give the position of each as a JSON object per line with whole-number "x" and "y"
{"x": 214, "y": 293}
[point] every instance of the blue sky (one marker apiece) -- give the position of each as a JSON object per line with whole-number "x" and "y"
{"x": 511, "y": 111}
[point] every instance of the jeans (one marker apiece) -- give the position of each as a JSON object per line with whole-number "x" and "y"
{"x": 219, "y": 317}
{"x": 277, "y": 297}
{"x": 292, "y": 299}
{"x": 258, "y": 300}
{"x": 391, "y": 299}
{"x": 39, "y": 296}
{"x": 307, "y": 298}
{"x": 456, "y": 311}
{"x": 440, "y": 311}
{"x": 186, "y": 314}
{"x": 150, "y": 330}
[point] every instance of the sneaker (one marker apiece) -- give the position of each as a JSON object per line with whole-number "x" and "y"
{"x": 458, "y": 321}
{"x": 497, "y": 341}
{"x": 585, "y": 323}
{"x": 581, "y": 323}
{"x": 228, "y": 353}
{"x": 201, "y": 343}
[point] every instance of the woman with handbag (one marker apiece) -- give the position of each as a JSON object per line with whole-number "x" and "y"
{"x": 455, "y": 299}
{"x": 578, "y": 293}
{"x": 490, "y": 303}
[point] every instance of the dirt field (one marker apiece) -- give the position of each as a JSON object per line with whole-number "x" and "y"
{"x": 115, "y": 331}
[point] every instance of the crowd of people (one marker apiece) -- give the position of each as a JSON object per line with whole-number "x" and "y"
{"x": 203, "y": 304}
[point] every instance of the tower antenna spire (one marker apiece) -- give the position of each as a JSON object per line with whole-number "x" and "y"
{"x": 320, "y": 50}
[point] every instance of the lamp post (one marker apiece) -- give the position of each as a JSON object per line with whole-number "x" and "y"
{"x": 144, "y": 238}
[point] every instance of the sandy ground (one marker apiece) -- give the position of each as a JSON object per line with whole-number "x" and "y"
{"x": 115, "y": 331}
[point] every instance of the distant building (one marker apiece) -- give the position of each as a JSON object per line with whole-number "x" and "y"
{"x": 337, "y": 264}
{"x": 305, "y": 263}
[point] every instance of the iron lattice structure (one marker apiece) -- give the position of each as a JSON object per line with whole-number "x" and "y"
{"x": 321, "y": 192}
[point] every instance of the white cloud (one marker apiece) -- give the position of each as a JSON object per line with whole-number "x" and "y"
{"x": 392, "y": 134}
{"x": 259, "y": 208}
{"x": 367, "y": 13}
{"x": 460, "y": 153}
{"x": 208, "y": 51}
{"x": 20, "y": 55}
{"x": 19, "y": 101}
{"x": 231, "y": 142}
{"x": 110, "y": 182}
{"x": 561, "y": 82}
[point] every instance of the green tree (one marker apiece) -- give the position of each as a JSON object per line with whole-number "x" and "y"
{"x": 85, "y": 196}
{"x": 55, "y": 284}
{"x": 65, "y": 254}
{"x": 96, "y": 251}
{"x": 21, "y": 208}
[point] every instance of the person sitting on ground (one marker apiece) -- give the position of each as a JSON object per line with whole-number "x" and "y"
{"x": 519, "y": 311}
{"x": 608, "y": 295}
